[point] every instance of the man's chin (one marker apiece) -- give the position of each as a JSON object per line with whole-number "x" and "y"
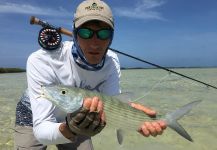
{"x": 93, "y": 60}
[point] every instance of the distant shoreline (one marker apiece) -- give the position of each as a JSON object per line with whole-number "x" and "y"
{"x": 17, "y": 70}
{"x": 126, "y": 68}
{"x": 11, "y": 70}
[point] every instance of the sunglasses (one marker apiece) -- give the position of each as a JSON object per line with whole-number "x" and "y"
{"x": 102, "y": 34}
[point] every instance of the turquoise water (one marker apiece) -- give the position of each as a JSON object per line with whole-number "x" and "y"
{"x": 159, "y": 89}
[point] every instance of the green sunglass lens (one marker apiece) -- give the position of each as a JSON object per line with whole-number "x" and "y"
{"x": 104, "y": 34}
{"x": 85, "y": 33}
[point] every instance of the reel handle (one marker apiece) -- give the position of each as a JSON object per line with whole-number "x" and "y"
{"x": 37, "y": 21}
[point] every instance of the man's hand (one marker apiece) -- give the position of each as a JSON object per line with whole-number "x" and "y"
{"x": 150, "y": 128}
{"x": 90, "y": 120}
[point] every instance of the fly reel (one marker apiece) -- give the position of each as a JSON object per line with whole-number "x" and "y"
{"x": 49, "y": 38}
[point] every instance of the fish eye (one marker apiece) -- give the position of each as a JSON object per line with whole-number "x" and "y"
{"x": 63, "y": 92}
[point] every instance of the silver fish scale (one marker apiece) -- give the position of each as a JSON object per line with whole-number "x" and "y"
{"x": 121, "y": 115}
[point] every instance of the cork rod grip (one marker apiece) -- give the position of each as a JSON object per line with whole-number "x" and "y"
{"x": 34, "y": 20}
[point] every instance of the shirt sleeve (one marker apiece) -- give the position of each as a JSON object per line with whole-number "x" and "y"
{"x": 45, "y": 125}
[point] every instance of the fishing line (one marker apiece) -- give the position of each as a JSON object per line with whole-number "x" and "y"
{"x": 152, "y": 88}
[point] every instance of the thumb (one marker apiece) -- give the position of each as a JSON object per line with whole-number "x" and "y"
{"x": 146, "y": 110}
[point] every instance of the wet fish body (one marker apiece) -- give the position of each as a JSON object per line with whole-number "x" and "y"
{"x": 119, "y": 115}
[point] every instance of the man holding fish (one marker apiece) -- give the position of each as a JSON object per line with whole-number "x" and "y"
{"x": 87, "y": 63}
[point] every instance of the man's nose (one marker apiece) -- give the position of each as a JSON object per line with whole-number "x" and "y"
{"x": 94, "y": 45}
{"x": 94, "y": 41}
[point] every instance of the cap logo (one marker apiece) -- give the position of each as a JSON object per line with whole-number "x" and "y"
{"x": 94, "y": 6}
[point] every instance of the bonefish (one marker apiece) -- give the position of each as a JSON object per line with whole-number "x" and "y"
{"x": 119, "y": 115}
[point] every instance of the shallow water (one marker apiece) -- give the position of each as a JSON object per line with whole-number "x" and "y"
{"x": 159, "y": 89}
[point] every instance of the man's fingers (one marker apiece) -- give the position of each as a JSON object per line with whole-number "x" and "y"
{"x": 88, "y": 119}
{"x": 145, "y": 109}
{"x": 99, "y": 120}
{"x": 92, "y": 108}
{"x": 100, "y": 107}
{"x": 152, "y": 128}
{"x": 144, "y": 131}
{"x": 95, "y": 123}
{"x": 87, "y": 103}
{"x": 94, "y": 104}
{"x": 77, "y": 118}
{"x": 100, "y": 126}
{"x": 157, "y": 127}
{"x": 162, "y": 124}
{"x": 103, "y": 117}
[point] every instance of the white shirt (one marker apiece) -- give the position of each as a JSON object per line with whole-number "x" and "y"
{"x": 58, "y": 67}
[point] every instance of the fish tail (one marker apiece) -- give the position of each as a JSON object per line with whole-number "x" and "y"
{"x": 171, "y": 119}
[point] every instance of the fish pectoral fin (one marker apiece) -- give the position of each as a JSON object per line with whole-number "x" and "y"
{"x": 120, "y": 136}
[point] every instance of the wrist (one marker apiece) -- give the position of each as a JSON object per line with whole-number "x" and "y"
{"x": 67, "y": 133}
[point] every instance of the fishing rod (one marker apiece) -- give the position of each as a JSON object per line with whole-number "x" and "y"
{"x": 164, "y": 68}
{"x": 50, "y": 38}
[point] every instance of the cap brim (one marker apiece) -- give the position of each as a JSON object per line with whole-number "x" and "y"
{"x": 85, "y": 19}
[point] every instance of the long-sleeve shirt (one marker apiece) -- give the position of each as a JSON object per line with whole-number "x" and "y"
{"x": 58, "y": 67}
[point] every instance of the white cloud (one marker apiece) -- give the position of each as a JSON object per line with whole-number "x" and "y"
{"x": 29, "y": 9}
{"x": 144, "y": 9}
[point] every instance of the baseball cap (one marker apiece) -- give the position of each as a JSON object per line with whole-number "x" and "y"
{"x": 93, "y": 10}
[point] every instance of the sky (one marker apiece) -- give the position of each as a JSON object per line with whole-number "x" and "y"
{"x": 170, "y": 33}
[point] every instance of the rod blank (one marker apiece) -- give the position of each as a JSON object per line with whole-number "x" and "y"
{"x": 34, "y": 20}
